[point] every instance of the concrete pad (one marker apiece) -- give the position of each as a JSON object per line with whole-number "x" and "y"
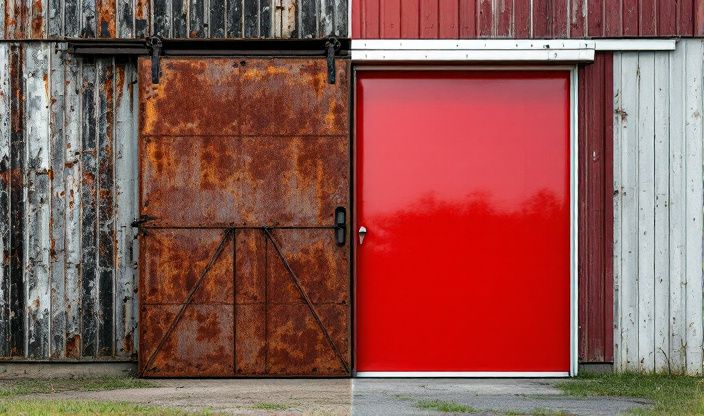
{"x": 360, "y": 396}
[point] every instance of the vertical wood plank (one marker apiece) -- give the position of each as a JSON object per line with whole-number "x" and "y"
{"x": 685, "y": 20}
{"x": 661, "y": 121}
{"x": 677, "y": 236}
{"x": 141, "y": 18}
{"x": 630, "y": 17}
{"x": 72, "y": 216}
{"x": 308, "y": 18}
{"x": 72, "y": 18}
{"x": 162, "y": 20}
{"x": 646, "y": 202}
{"x": 5, "y": 172}
{"x": 595, "y": 18}
{"x": 503, "y": 14}
{"x": 234, "y": 14}
{"x": 341, "y": 16}
{"x": 448, "y": 19}
{"x": 216, "y": 22}
{"x": 698, "y": 17}
{"x": 560, "y": 18}
{"x": 629, "y": 211}
{"x": 14, "y": 19}
{"x": 585, "y": 97}
{"x": 578, "y": 16}
{"x": 124, "y": 19}
{"x": 105, "y": 204}
{"x": 107, "y": 18}
{"x": 3, "y": 6}
{"x": 38, "y": 18}
{"x": 38, "y": 200}
{"x": 486, "y": 18}
{"x": 667, "y": 18}
{"x": 542, "y": 19}
{"x": 391, "y": 19}
{"x": 179, "y": 18}
{"x": 196, "y": 18}
{"x": 410, "y": 18}
{"x": 88, "y": 21}
{"x": 619, "y": 348}
{"x": 55, "y": 18}
{"x": 358, "y": 17}
{"x": 647, "y": 17}
{"x": 285, "y": 19}
{"x": 371, "y": 22}
{"x": 265, "y": 7}
{"x": 522, "y": 18}
{"x": 326, "y": 25}
{"x": 17, "y": 201}
{"x": 58, "y": 206}
{"x": 125, "y": 206}
{"x": 89, "y": 244}
{"x": 608, "y": 231}
{"x": 251, "y": 22}
{"x": 429, "y": 19}
{"x": 613, "y": 18}
{"x": 695, "y": 201}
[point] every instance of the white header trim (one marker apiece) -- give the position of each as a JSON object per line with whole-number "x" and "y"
{"x": 479, "y": 50}
{"x": 635, "y": 44}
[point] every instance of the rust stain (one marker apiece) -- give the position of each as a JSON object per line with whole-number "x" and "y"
{"x": 37, "y": 19}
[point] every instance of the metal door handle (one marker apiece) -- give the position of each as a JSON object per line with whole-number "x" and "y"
{"x": 362, "y": 233}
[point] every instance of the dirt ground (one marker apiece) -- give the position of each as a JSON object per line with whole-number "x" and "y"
{"x": 362, "y": 397}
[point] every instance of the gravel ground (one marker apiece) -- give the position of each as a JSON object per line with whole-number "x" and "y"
{"x": 362, "y": 397}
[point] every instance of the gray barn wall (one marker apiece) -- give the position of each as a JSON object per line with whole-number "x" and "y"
{"x": 658, "y": 219}
{"x": 59, "y": 19}
{"x": 68, "y": 195}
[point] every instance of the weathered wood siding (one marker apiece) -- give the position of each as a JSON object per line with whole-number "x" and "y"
{"x": 57, "y": 19}
{"x": 68, "y": 195}
{"x": 539, "y": 19}
{"x": 658, "y": 224}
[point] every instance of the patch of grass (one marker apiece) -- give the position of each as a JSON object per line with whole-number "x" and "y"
{"x": 270, "y": 406}
{"x": 671, "y": 395}
{"x": 22, "y": 387}
{"x": 445, "y": 407}
{"x": 538, "y": 412}
{"x": 27, "y": 407}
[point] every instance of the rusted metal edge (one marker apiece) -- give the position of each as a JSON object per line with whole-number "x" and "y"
{"x": 210, "y": 47}
{"x": 305, "y": 297}
{"x": 229, "y": 233}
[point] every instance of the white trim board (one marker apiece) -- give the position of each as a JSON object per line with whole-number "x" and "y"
{"x": 493, "y": 50}
{"x": 461, "y": 374}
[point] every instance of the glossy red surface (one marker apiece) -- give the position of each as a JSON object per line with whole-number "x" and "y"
{"x": 463, "y": 185}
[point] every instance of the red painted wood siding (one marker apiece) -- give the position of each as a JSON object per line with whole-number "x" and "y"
{"x": 596, "y": 210}
{"x": 466, "y": 19}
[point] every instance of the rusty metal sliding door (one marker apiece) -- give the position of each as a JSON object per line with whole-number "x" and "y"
{"x": 243, "y": 163}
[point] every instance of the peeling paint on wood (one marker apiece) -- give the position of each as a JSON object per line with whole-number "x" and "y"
{"x": 5, "y": 185}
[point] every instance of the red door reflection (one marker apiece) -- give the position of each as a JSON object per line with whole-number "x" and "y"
{"x": 463, "y": 187}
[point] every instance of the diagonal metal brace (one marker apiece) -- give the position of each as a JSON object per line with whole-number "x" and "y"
{"x": 305, "y": 297}
{"x": 228, "y": 234}
{"x": 332, "y": 45}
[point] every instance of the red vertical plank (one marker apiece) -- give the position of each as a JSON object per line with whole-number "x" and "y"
{"x": 448, "y": 16}
{"x": 370, "y": 21}
{"x": 542, "y": 18}
{"x": 429, "y": 19}
{"x": 647, "y": 18}
{"x": 608, "y": 240}
{"x": 410, "y": 17}
{"x": 503, "y": 13}
{"x": 667, "y": 18}
{"x": 613, "y": 18}
{"x": 560, "y": 18}
{"x": 595, "y": 18}
{"x": 578, "y": 15}
{"x": 390, "y": 19}
{"x": 468, "y": 19}
{"x": 521, "y": 19}
{"x": 698, "y": 17}
{"x": 486, "y": 19}
{"x": 630, "y": 17}
{"x": 596, "y": 211}
{"x": 357, "y": 19}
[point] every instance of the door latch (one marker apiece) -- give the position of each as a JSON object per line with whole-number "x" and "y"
{"x": 331, "y": 46}
{"x": 340, "y": 225}
{"x": 154, "y": 44}
{"x": 362, "y": 233}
